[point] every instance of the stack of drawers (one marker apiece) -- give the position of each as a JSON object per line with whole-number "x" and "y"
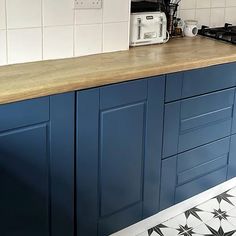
{"x": 199, "y": 127}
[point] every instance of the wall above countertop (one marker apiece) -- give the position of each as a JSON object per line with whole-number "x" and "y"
{"x": 209, "y": 12}
{"x": 34, "y": 30}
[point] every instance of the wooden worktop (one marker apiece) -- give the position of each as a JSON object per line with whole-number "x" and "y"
{"x": 31, "y": 80}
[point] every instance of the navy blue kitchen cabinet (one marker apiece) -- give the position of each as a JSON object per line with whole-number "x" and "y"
{"x": 193, "y": 172}
{"x": 198, "y": 145}
{"x": 118, "y": 154}
{"x": 196, "y": 121}
{"x": 200, "y": 81}
{"x": 101, "y": 159}
{"x": 36, "y": 167}
{"x": 232, "y": 158}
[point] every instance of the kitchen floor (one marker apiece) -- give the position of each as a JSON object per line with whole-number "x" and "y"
{"x": 210, "y": 213}
{"x": 216, "y": 216}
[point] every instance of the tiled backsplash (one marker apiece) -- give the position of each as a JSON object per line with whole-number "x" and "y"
{"x": 209, "y": 12}
{"x": 32, "y": 30}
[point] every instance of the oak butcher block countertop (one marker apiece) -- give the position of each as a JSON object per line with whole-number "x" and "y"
{"x": 31, "y": 80}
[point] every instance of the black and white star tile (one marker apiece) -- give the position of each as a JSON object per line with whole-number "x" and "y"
{"x": 215, "y": 217}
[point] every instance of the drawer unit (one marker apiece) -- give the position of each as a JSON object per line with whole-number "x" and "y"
{"x": 24, "y": 113}
{"x": 193, "y": 122}
{"x": 193, "y": 172}
{"x": 200, "y": 81}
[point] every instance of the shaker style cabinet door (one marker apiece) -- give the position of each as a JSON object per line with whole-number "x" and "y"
{"x": 36, "y": 166}
{"x": 119, "y": 138}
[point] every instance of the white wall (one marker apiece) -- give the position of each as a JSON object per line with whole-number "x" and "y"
{"x": 209, "y": 12}
{"x": 33, "y": 30}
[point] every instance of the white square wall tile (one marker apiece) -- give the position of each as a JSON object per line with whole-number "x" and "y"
{"x": 23, "y": 13}
{"x": 203, "y": 3}
{"x": 58, "y": 12}
{"x": 187, "y": 14}
{"x": 217, "y": 17}
{"x": 203, "y": 17}
{"x": 230, "y": 3}
{"x": 58, "y": 42}
{"x": 230, "y": 15}
{"x": 188, "y": 4}
{"x": 115, "y": 37}
{"x": 217, "y": 3}
{"x": 24, "y": 45}
{"x": 88, "y": 16}
{"x": 88, "y": 39}
{"x": 3, "y": 48}
{"x": 2, "y": 14}
{"x": 116, "y": 10}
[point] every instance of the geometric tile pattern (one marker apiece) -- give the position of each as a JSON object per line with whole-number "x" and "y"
{"x": 215, "y": 217}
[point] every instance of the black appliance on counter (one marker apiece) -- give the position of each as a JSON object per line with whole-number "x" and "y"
{"x": 148, "y": 6}
{"x": 226, "y": 33}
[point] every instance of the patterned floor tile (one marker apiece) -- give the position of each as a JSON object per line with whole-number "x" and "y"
{"x": 231, "y": 217}
{"x": 215, "y": 217}
{"x": 212, "y": 228}
{"x": 162, "y": 230}
{"x": 232, "y": 191}
{"x": 221, "y": 228}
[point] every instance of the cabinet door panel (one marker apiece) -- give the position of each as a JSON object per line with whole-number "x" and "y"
{"x": 37, "y": 167}
{"x": 118, "y": 155}
{"x": 24, "y": 182}
{"x": 122, "y": 150}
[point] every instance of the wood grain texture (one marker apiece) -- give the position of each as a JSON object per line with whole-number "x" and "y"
{"x": 31, "y": 80}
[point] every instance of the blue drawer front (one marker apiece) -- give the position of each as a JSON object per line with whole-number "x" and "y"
{"x": 200, "y": 81}
{"x": 203, "y": 154}
{"x": 201, "y": 184}
{"x": 193, "y": 172}
{"x": 24, "y": 113}
{"x": 192, "y": 122}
